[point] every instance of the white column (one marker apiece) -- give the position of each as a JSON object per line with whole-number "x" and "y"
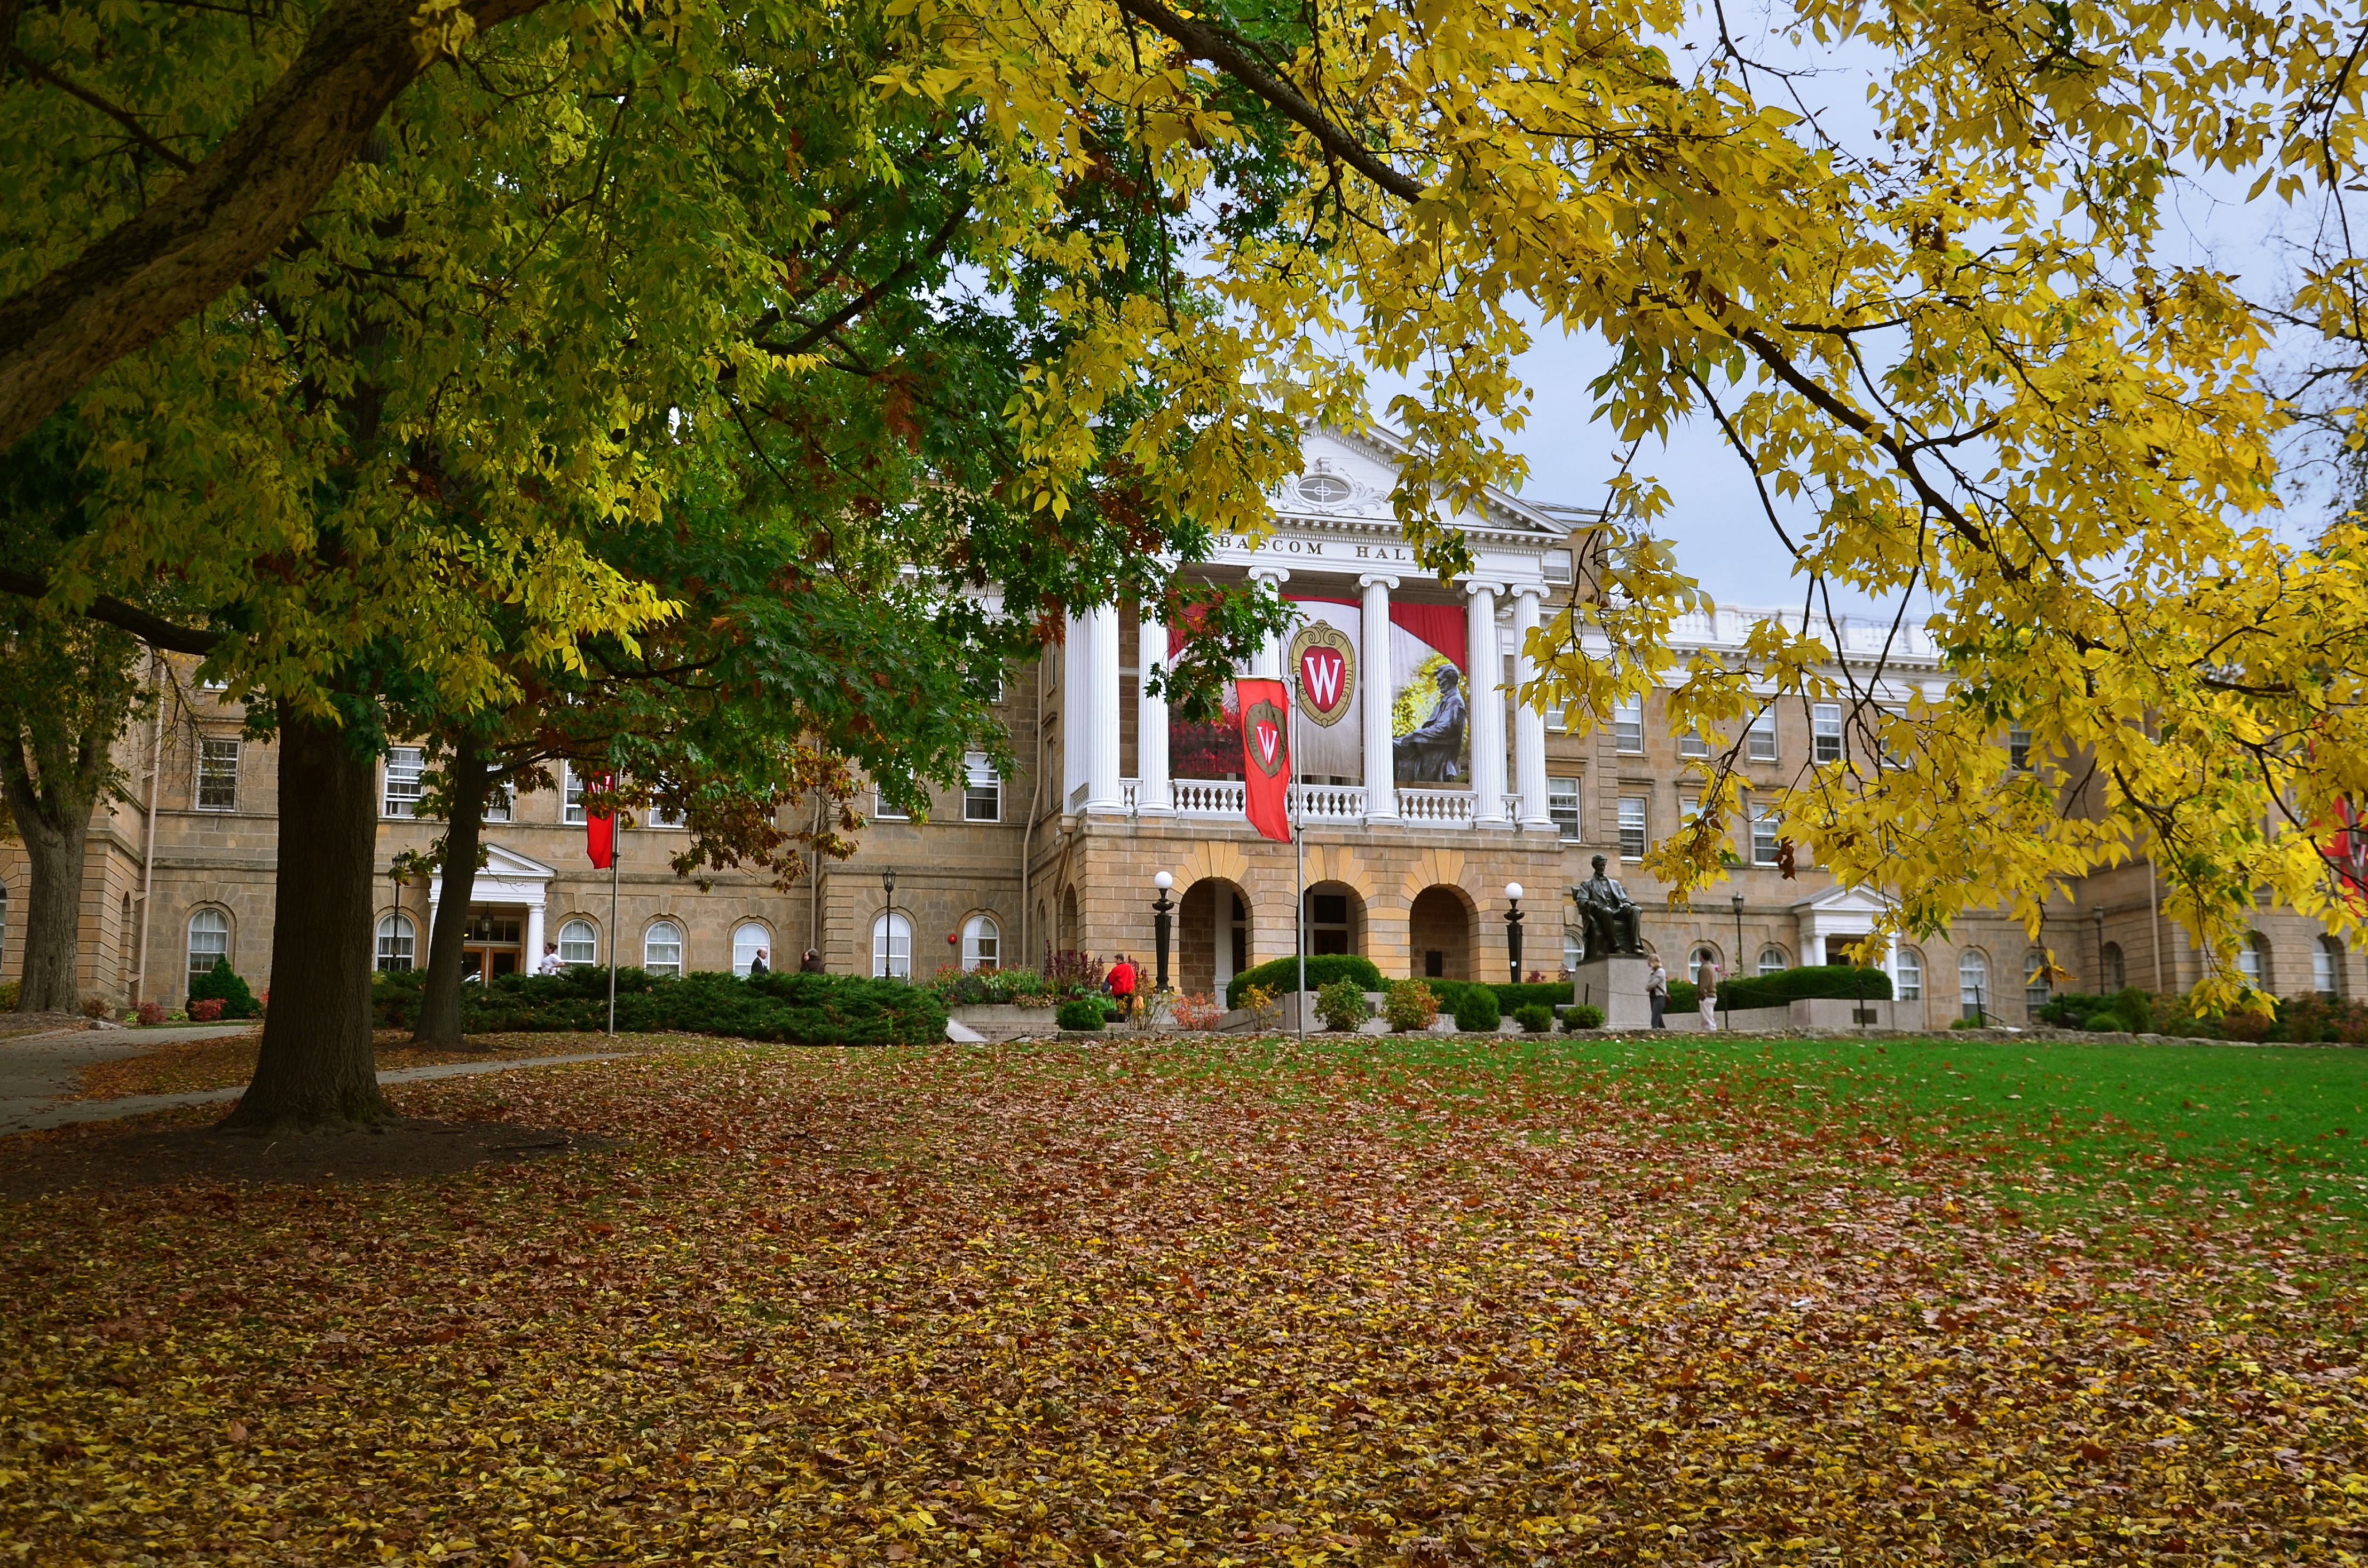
{"x": 1076, "y": 722}
{"x": 1270, "y": 659}
{"x": 1099, "y": 657}
{"x": 1529, "y": 723}
{"x": 1486, "y": 703}
{"x": 1150, "y": 719}
{"x": 1381, "y": 770}
{"x": 533, "y": 964}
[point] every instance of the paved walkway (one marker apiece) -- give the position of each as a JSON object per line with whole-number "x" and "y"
{"x": 32, "y": 1082}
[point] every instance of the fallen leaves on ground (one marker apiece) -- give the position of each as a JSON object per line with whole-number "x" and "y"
{"x": 1205, "y": 1303}
{"x": 189, "y": 1067}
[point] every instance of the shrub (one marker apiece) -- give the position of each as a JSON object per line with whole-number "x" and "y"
{"x": 1476, "y": 1011}
{"x": 1966, "y": 1023}
{"x": 8, "y": 989}
{"x": 791, "y": 1008}
{"x": 1073, "y": 973}
{"x": 94, "y": 1008}
{"x": 1083, "y": 1012}
{"x": 1534, "y": 1018}
{"x": 1408, "y": 1005}
{"x": 988, "y": 987}
{"x": 152, "y": 1012}
{"x": 1547, "y": 994}
{"x": 1837, "y": 982}
{"x": 1323, "y": 969}
{"x": 1342, "y": 1005}
{"x": 1585, "y": 1016}
{"x": 2103, "y": 1023}
{"x": 205, "y": 1010}
{"x": 1195, "y": 1012}
{"x": 220, "y": 983}
{"x": 1683, "y": 997}
{"x": 1259, "y": 1003}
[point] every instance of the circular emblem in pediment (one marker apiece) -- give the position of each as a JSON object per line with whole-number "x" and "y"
{"x": 1323, "y": 489}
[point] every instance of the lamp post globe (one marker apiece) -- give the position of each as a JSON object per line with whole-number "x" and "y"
{"x": 1513, "y": 930}
{"x": 1162, "y": 923}
{"x": 888, "y": 925}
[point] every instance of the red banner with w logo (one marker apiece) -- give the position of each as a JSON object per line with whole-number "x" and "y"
{"x": 1266, "y": 755}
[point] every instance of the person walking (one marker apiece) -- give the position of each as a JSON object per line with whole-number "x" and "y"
{"x": 758, "y": 965}
{"x": 551, "y": 963}
{"x": 1657, "y": 990}
{"x": 1122, "y": 987}
{"x": 1706, "y": 991}
{"x": 812, "y": 964}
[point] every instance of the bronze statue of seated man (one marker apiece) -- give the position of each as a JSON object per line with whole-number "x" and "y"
{"x": 1612, "y": 922}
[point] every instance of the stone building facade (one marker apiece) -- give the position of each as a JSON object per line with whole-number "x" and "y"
{"x": 1409, "y": 852}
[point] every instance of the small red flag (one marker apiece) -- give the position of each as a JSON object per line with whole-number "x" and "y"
{"x": 1266, "y": 755}
{"x": 600, "y": 832}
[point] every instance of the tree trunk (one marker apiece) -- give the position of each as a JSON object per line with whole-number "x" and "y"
{"x": 316, "y": 1065}
{"x": 439, "y": 999}
{"x": 53, "y": 902}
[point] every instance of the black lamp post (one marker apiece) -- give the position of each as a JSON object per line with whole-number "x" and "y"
{"x": 1737, "y": 969}
{"x": 1513, "y": 929}
{"x": 888, "y": 925}
{"x": 1162, "y": 914}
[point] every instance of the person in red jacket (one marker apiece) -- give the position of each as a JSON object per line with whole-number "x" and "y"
{"x": 1121, "y": 987}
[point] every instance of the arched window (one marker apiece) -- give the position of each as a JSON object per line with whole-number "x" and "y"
{"x": 1772, "y": 960}
{"x": 1573, "y": 947}
{"x": 749, "y": 938}
{"x": 1695, "y": 959}
{"x": 2116, "y": 975}
{"x": 892, "y": 946}
{"x": 2253, "y": 960}
{"x": 662, "y": 949}
{"x": 209, "y": 940}
{"x": 1973, "y": 984}
{"x": 2038, "y": 982}
{"x": 1907, "y": 975}
{"x": 2327, "y": 967}
{"x": 982, "y": 943}
{"x": 396, "y": 943}
{"x": 579, "y": 942}
{"x": 3, "y": 922}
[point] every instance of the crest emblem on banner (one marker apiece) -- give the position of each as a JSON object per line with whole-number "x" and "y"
{"x": 1262, "y": 725}
{"x": 1326, "y": 662}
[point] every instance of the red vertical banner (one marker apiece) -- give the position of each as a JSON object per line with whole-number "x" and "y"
{"x": 600, "y": 832}
{"x": 1266, "y": 755}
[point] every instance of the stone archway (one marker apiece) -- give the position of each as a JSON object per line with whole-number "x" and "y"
{"x": 1335, "y": 918}
{"x": 1212, "y": 936}
{"x": 1439, "y": 933}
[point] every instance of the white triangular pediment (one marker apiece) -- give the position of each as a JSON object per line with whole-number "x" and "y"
{"x": 507, "y": 877}
{"x": 1848, "y": 900}
{"x": 1349, "y": 475}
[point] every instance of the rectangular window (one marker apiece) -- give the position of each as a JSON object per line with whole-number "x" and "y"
{"x": 403, "y": 786}
{"x": 1688, "y": 810}
{"x": 662, "y": 815}
{"x": 1691, "y": 743}
{"x": 981, "y": 788}
{"x": 2018, "y": 748}
{"x": 883, "y": 812}
{"x": 1557, "y": 566}
{"x": 218, "y": 775}
{"x": 497, "y": 804}
{"x": 1764, "y": 735}
{"x": 1628, "y": 724}
{"x": 1826, "y": 732}
{"x": 1631, "y": 827}
{"x": 571, "y": 795}
{"x": 1763, "y": 836}
{"x": 1562, "y": 806}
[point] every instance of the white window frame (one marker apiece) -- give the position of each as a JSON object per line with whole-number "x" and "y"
{"x": 2327, "y": 966}
{"x": 1907, "y": 977}
{"x": 500, "y": 804}
{"x": 1635, "y": 825}
{"x": 1766, "y": 841}
{"x": 2251, "y": 961}
{"x": 218, "y": 757}
{"x": 571, "y": 795}
{"x": 398, "y": 944}
{"x": 1826, "y": 731}
{"x": 981, "y": 788}
{"x": 1561, "y": 807}
{"x": 652, "y": 948}
{"x": 665, "y": 816}
{"x": 399, "y": 795}
{"x": 743, "y": 948}
{"x": 220, "y": 926}
{"x": 982, "y": 944}
{"x": 1759, "y": 743}
{"x": 2038, "y": 986}
{"x": 2018, "y": 748}
{"x": 589, "y": 942}
{"x": 1628, "y": 725}
{"x": 1974, "y": 997}
{"x": 892, "y": 930}
{"x": 883, "y": 812}
{"x": 1779, "y": 966}
{"x": 1691, "y": 743}
{"x": 1556, "y": 566}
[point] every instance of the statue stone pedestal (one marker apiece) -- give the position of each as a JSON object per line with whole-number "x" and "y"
{"x": 1615, "y": 982}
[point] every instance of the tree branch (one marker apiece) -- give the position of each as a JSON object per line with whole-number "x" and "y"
{"x": 154, "y": 631}
{"x": 122, "y": 117}
{"x": 182, "y": 252}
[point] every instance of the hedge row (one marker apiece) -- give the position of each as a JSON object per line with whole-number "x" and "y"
{"x": 795, "y": 1009}
{"x": 1281, "y": 976}
{"x": 1835, "y": 982}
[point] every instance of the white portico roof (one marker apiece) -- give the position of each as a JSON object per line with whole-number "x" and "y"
{"x": 507, "y": 877}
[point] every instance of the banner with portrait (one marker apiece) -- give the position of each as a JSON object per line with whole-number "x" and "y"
{"x": 1430, "y": 716}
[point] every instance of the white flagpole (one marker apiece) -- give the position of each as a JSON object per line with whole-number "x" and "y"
{"x": 616, "y": 846}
